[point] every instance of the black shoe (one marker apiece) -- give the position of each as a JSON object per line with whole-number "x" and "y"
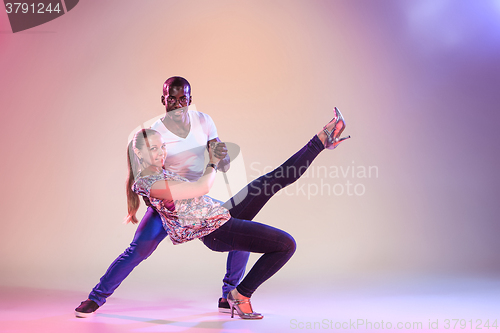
{"x": 86, "y": 309}
{"x": 224, "y": 306}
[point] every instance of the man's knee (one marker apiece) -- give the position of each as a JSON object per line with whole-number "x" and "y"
{"x": 141, "y": 251}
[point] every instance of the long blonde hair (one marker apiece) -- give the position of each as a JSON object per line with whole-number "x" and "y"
{"x": 134, "y": 168}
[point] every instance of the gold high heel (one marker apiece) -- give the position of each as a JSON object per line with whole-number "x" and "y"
{"x": 333, "y": 137}
{"x": 234, "y": 304}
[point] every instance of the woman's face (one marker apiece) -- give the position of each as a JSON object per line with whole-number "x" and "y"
{"x": 153, "y": 155}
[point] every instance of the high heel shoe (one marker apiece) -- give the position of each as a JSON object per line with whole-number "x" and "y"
{"x": 333, "y": 137}
{"x": 235, "y": 304}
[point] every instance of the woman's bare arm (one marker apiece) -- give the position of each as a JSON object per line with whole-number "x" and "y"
{"x": 176, "y": 190}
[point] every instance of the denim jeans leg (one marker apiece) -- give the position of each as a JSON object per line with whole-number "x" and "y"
{"x": 248, "y": 202}
{"x": 276, "y": 245}
{"x": 235, "y": 269}
{"x": 149, "y": 234}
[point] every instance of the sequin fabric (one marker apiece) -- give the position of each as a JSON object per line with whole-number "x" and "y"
{"x": 184, "y": 219}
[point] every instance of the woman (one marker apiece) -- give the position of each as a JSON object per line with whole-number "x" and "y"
{"x": 188, "y": 213}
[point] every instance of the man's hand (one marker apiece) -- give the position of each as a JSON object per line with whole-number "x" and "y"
{"x": 220, "y": 152}
{"x": 216, "y": 152}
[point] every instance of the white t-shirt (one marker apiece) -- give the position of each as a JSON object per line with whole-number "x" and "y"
{"x": 186, "y": 157}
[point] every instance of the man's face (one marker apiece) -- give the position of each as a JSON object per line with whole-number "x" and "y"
{"x": 176, "y": 101}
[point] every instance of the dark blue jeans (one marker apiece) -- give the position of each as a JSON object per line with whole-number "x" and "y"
{"x": 243, "y": 206}
{"x": 239, "y": 235}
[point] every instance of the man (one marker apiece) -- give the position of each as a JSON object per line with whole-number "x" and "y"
{"x": 187, "y": 134}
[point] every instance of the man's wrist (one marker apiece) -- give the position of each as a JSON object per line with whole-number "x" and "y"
{"x": 213, "y": 165}
{"x": 224, "y": 164}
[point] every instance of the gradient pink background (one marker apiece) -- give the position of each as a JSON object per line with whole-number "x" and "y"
{"x": 418, "y": 82}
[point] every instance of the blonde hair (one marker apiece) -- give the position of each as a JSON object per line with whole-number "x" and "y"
{"x": 134, "y": 169}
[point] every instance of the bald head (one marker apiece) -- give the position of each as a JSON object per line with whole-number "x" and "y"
{"x": 176, "y": 95}
{"x": 176, "y": 81}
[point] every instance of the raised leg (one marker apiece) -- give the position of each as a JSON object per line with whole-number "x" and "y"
{"x": 248, "y": 202}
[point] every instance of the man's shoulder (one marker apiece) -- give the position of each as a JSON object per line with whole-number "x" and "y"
{"x": 203, "y": 119}
{"x": 199, "y": 114}
{"x": 158, "y": 124}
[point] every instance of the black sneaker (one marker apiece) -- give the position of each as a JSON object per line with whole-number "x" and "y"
{"x": 224, "y": 306}
{"x": 87, "y": 308}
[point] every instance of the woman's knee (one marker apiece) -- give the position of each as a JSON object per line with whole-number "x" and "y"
{"x": 292, "y": 245}
{"x": 288, "y": 243}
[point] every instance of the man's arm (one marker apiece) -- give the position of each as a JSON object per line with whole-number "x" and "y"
{"x": 221, "y": 152}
